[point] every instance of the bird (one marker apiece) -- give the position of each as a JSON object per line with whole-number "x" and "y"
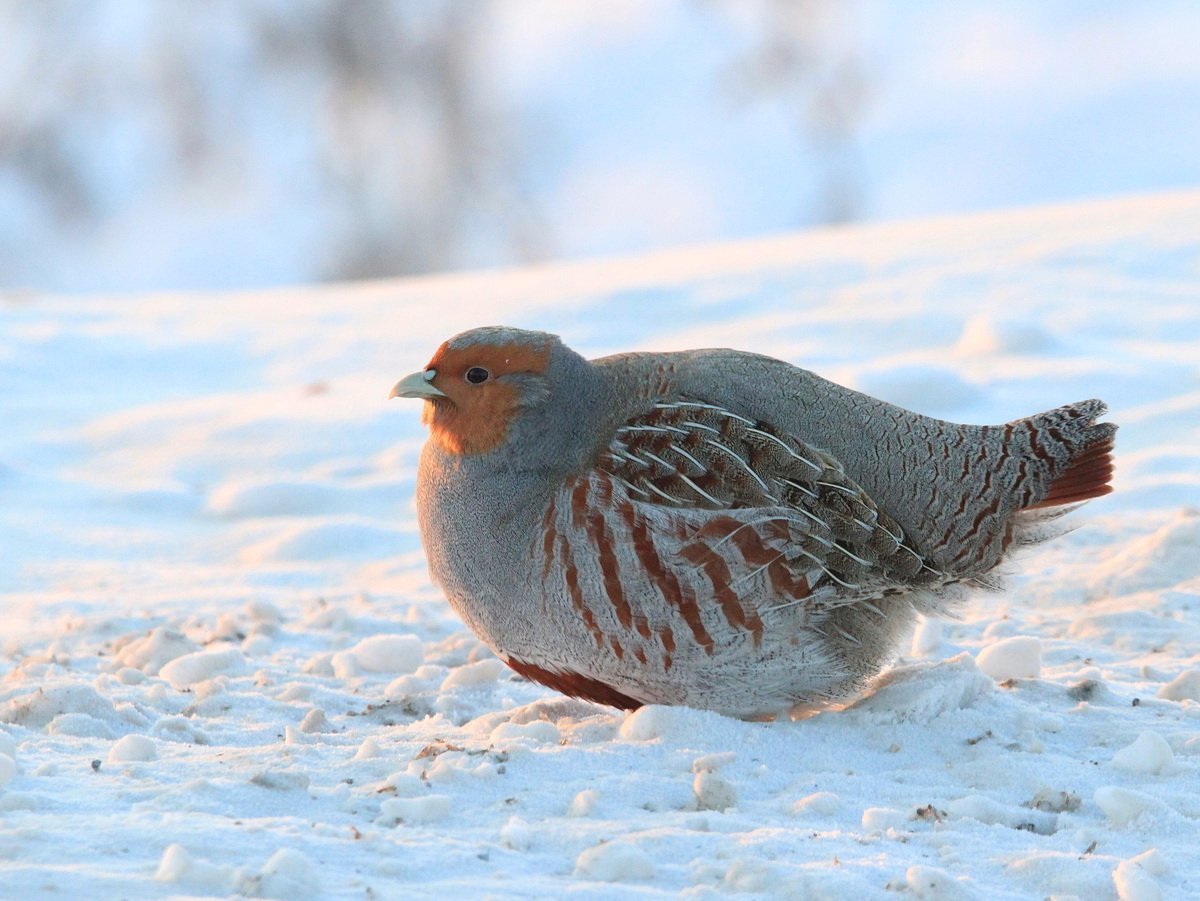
{"x": 715, "y": 528}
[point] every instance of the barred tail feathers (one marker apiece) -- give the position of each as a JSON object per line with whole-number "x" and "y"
{"x": 1077, "y": 451}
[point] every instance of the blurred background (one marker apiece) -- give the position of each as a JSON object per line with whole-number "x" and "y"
{"x": 175, "y": 145}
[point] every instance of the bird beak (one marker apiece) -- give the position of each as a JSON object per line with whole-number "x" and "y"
{"x": 419, "y": 384}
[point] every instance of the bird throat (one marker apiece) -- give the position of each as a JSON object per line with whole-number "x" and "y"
{"x": 475, "y": 419}
{"x": 468, "y": 429}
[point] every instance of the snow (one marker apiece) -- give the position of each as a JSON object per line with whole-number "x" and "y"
{"x": 1184, "y": 687}
{"x": 1150, "y": 753}
{"x": 934, "y": 884}
{"x": 615, "y": 862}
{"x": 583, "y": 804}
{"x": 1019, "y": 657}
{"x": 1124, "y": 805}
{"x": 191, "y": 669}
{"x": 818, "y": 804}
{"x": 225, "y": 672}
{"x": 882, "y": 819}
{"x": 427, "y": 809}
{"x": 1134, "y": 878}
{"x": 132, "y": 748}
{"x": 389, "y": 653}
{"x": 713, "y": 792}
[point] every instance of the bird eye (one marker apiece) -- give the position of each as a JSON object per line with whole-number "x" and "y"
{"x": 477, "y": 375}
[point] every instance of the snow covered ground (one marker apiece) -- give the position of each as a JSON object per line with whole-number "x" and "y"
{"x": 225, "y": 671}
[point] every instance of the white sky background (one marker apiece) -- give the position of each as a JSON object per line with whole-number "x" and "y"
{"x": 590, "y": 129}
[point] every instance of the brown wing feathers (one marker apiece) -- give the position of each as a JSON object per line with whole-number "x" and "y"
{"x": 698, "y": 455}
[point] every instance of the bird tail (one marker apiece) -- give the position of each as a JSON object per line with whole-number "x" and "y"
{"x": 1077, "y": 452}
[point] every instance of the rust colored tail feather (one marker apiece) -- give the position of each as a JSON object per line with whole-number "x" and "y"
{"x": 1088, "y": 474}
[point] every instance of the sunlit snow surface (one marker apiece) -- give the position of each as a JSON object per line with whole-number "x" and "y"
{"x": 225, "y": 671}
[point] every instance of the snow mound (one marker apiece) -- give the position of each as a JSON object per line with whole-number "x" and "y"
{"x": 286, "y": 874}
{"x": 933, "y": 884}
{"x": 920, "y": 693}
{"x": 583, "y": 804}
{"x": 1134, "y": 878}
{"x": 481, "y": 672}
{"x": 389, "y": 653}
{"x": 533, "y": 734}
{"x": 40, "y": 708}
{"x": 713, "y": 792}
{"x": 819, "y": 804}
{"x": 1162, "y": 559}
{"x": 671, "y": 724}
{"x": 993, "y": 813}
{"x": 133, "y": 748}
{"x": 1184, "y": 687}
{"x": 419, "y": 811}
{"x": 881, "y": 819}
{"x": 191, "y": 669}
{"x": 82, "y": 725}
{"x": 179, "y": 866}
{"x": 150, "y": 652}
{"x": 1123, "y": 805}
{"x": 615, "y": 861}
{"x": 1019, "y": 657}
{"x": 1150, "y": 753}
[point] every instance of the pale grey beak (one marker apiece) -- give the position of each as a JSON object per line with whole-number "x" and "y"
{"x": 419, "y": 384}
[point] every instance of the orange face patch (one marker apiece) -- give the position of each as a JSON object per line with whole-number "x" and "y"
{"x": 474, "y": 418}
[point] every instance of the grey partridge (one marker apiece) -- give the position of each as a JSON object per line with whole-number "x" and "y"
{"x": 714, "y": 528}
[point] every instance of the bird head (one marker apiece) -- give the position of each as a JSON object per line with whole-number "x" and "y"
{"x": 486, "y": 387}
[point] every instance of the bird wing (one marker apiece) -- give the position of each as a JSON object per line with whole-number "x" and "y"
{"x": 695, "y": 519}
{"x": 692, "y": 455}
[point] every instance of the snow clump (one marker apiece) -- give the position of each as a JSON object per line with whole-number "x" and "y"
{"x": 1149, "y": 754}
{"x": 1019, "y": 657}
{"x": 389, "y": 653}
{"x": 615, "y": 862}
